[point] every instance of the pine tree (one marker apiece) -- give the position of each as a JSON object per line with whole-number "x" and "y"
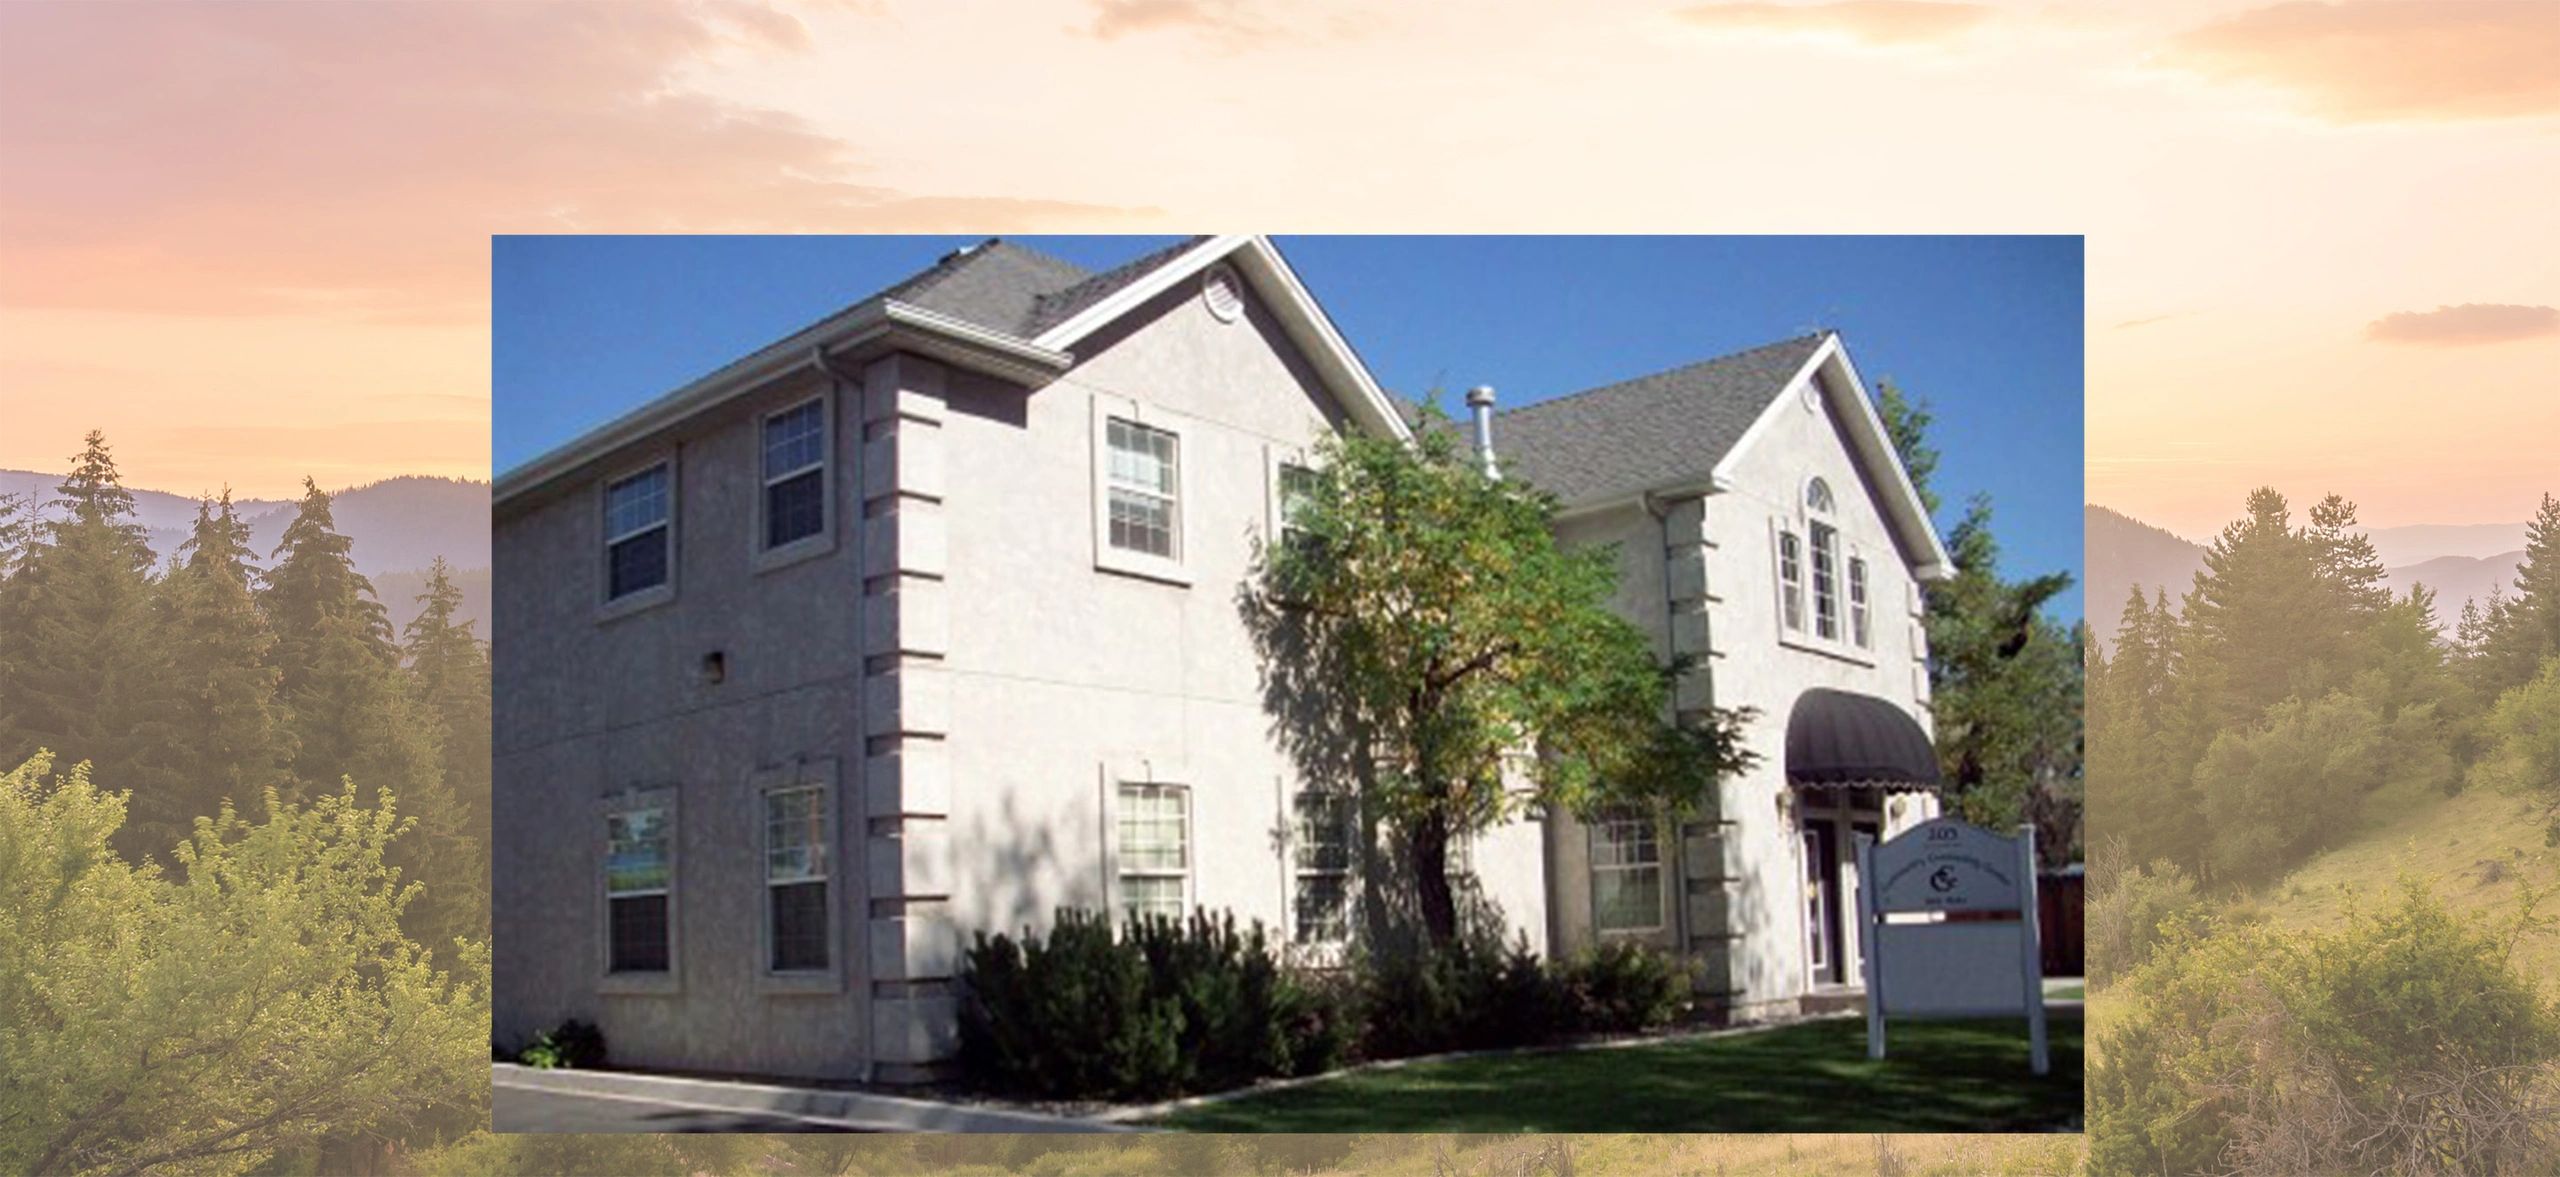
{"x": 2262, "y": 613}
{"x": 81, "y": 668}
{"x": 2537, "y": 622}
{"x": 449, "y": 675}
{"x": 354, "y": 716}
{"x": 2005, "y": 681}
{"x": 226, "y": 722}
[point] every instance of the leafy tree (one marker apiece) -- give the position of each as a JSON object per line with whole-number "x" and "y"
{"x": 81, "y": 668}
{"x": 1422, "y": 629}
{"x": 2275, "y": 793}
{"x": 202, "y": 1025}
{"x": 2005, "y": 680}
{"x": 2524, "y": 756}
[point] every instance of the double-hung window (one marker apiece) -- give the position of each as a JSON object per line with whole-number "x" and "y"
{"x": 795, "y": 473}
{"x": 1155, "y": 850}
{"x": 1325, "y": 825}
{"x": 637, "y": 536}
{"x": 1858, "y": 602}
{"x": 796, "y": 869}
{"x": 1826, "y": 581}
{"x": 1626, "y": 874}
{"x": 1144, "y": 488}
{"x": 1791, "y": 580}
{"x": 639, "y": 878}
{"x": 1297, "y": 489}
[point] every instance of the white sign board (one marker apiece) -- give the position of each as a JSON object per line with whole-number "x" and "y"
{"x": 1946, "y": 969}
{"x": 1946, "y": 865}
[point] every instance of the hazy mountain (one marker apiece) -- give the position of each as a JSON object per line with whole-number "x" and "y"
{"x": 398, "y": 525}
{"x": 2455, "y": 579}
{"x": 168, "y": 516}
{"x": 398, "y": 592}
{"x": 2418, "y": 543}
{"x": 2123, "y": 552}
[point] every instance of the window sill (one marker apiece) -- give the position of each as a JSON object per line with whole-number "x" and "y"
{"x": 639, "y": 602}
{"x": 639, "y": 985}
{"x": 1837, "y": 651}
{"x": 816, "y": 983}
{"x": 801, "y": 550}
{"x": 1141, "y": 567}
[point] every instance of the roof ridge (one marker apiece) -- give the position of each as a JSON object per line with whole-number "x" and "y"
{"x": 1691, "y": 366}
{"x": 1043, "y": 304}
{"x": 962, "y": 258}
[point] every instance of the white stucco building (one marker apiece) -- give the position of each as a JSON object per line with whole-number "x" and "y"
{"x": 923, "y": 620}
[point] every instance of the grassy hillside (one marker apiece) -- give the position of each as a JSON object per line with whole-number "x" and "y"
{"x": 2473, "y": 850}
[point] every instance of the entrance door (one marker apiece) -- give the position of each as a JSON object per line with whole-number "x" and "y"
{"x": 1822, "y": 894}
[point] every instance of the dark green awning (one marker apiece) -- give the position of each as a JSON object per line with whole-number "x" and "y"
{"x": 1836, "y": 739}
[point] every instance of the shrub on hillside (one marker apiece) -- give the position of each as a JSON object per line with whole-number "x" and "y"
{"x": 2136, "y": 911}
{"x": 2405, "y": 1041}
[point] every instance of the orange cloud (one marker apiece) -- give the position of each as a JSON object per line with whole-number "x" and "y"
{"x": 2390, "y": 59}
{"x": 2470, "y": 323}
{"x": 1875, "y": 22}
{"x": 354, "y": 159}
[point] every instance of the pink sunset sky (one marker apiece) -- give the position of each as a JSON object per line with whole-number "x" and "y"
{"x": 251, "y": 241}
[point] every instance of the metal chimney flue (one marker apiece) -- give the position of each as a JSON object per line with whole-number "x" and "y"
{"x": 1480, "y": 406}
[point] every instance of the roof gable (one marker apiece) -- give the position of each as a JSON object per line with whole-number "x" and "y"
{"x": 1685, "y": 429}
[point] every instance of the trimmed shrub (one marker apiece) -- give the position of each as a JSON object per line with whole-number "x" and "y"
{"x": 1162, "y": 1008}
{"x": 574, "y": 1044}
{"x": 1624, "y": 989}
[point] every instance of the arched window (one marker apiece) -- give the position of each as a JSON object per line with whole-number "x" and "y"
{"x": 1817, "y": 496}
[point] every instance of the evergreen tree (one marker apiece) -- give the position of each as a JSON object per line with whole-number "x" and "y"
{"x": 449, "y": 674}
{"x": 76, "y": 642}
{"x": 2261, "y": 613}
{"x": 227, "y": 726}
{"x": 17, "y": 529}
{"x": 354, "y": 716}
{"x": 2005, "y": 680}
{"x": 2536, "y": 625}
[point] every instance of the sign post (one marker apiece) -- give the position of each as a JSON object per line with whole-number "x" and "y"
{"x": 1936, "y": 967}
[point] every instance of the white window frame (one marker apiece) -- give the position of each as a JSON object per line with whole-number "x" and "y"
{"x": 1146, "y": 565}
{"x": 617, "y": 805}
{"x": 1301, "y": 871}
{"x": 1817, "y": 927}
{"x": 1123, "y": 870}
{"x": 1861, "y": 632}
{"x": 1824, "y": 546}
{"x": 818, "y": 778}
{"x": 1598, "y": 831}
{"x": 1791, "y": 603}
{"x": 1281, "y": 464}
{"x": 611, "y": 606}
{"x": 763, "y": 557}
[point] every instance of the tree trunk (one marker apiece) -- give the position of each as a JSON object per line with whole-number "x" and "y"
{"x": 1431, "y": 879}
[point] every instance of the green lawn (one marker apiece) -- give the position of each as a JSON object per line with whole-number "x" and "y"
{"x": 1809, "y": 1077}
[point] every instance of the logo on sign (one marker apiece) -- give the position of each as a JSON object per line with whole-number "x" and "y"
{"x": 1946, "y": 865}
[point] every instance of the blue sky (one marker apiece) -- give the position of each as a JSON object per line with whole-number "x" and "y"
{"x": 1988, "y": 330}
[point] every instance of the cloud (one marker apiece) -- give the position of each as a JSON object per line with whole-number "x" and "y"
{"x": 2145, "y": 321}
{"x": 1873, "y": 22}
{"x": 2470, "y": 323}
{"x": 354, "y": 159}
{"x": 2389, "y": 59}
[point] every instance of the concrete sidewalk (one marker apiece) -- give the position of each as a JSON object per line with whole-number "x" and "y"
{"x": 627, "y": 1101}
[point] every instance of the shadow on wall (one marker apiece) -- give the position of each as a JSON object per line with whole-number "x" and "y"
{"x": 1010, "y": 863}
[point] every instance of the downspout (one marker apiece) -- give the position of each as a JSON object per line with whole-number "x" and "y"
{"x": 839, "y": 379}
{"x": 1661, "y": 512}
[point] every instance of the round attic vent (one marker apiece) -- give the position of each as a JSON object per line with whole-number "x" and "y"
{"x": 1219, "y": 290}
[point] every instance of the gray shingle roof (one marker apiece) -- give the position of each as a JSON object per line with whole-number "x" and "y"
{"x": 1652, "y": 431}
{"x": 995, "y": 285}
{"x": 1020, "y": 292}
